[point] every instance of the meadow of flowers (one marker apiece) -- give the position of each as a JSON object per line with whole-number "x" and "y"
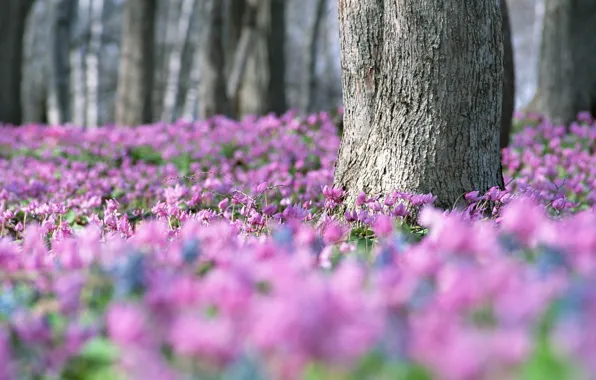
{"x": 214, "y": 250}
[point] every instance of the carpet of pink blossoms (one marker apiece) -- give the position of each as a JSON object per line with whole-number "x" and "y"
{"x": 211, "y": 250}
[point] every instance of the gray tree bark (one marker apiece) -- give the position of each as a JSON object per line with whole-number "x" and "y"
{"x": 12, "y": 30}
{"x": 310, "y": 52}
{"x": 566, "y": 75}
{"x": 213, "y": 98}
{"x": 92, "y": 66}
{"x": 422, "y": 88}
{"x": 36, "y": 70}
{"x": 170, "y": 105}
{"x": 263, "y": 85}
{"x": 135, "y": 76}
{"x": 509, "y": 78}
{"x": 62, "y": 29}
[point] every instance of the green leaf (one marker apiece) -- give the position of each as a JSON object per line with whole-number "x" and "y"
{"x": 70, "y": 217}
{"x": 182, "y": 163}
{"x": 97, "y": 361}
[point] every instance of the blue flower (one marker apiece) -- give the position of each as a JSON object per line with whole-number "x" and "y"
{"x": 129, "y": 275}
{"x": 190, "y": 251}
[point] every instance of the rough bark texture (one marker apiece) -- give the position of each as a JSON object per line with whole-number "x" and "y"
{"x": 422, "y": 87}
{"x": 135, "y": 77}
{"x": 12, "y": 29}
{"x": 566, "y": 74}
{"x": 509, "y": 78}
{"x": 213, "y": 82}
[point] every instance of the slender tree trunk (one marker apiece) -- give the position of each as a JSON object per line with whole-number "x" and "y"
{"x": 422, "y": 89}
{"x": 566, "y": 75}
{"x": 175, "y": 61}
{"x": 235, "y": 21}
{"x": 276, "y": 53}
{"x": 12, "y": 30}
{"x": 509, "y": 78}
{"x": 311, "y": 53}
{"x": 263, "y": 85}
{"x": 213, "y": 82}
{"x": 92, "y": 64}
{"x": 36, "y": 75}
{"x": 200, "y": 41}
{"x": 243, "y": 48}
{"x": 135, "y": 75}
{"x": 62, "y": 30}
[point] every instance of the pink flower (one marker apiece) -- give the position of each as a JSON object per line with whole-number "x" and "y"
{"x": 333, "y": 232}
{"x": 197, "y": 337}
{"x": 383, "y": 226}
{"x": 522, "y": 217}
{"x": 127, "y": 324}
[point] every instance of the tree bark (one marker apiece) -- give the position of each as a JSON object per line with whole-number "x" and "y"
{"x": 135, "y": 76}
{"x": 213, "y": 98}
{"x": 310, "y": 52}
{"x": 422, "y": 88}
{"x": 35, "y": 66}
{"x": 276, "y": 38}
{"x": 12, "y": 30}
{"x": 170, "y": 105}
{"x": 566, "y": 75}
{"x": 62, "y": 29}
{"x": 92, "y": 64}
{"x": 509, "y": 78}
{"x": 263, "y": 85}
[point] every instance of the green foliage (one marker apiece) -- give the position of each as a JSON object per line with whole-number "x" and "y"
{"x": 97, "y": 361}
{"x": 146, "y": 153}
{"x": 374, "y": 366}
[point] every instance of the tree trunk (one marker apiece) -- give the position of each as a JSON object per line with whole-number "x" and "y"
{"x": 62, "y": 29}
{"x": 12, "y": 30}
{"x": 422, "y": 89}
{"x": 310, "y": 52}
{"x": 35, "y": 66}
{"x": 263, "y": 85}
{"x": 92, "y": 64}
{"x": 566, "y": 75}
{"x": 509, "y": 78}
{"x": 213, "y": 99}
{"x": 276, "y": 53}
{"x": 135, "y": 75}
{"x": 175, "y": 61}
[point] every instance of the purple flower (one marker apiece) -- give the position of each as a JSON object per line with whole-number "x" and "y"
{"x": 127, "y": 325}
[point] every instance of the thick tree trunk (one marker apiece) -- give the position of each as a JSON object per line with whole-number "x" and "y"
{"x": 566, "y": 75}
{"x": 135, "y": 76}
{"x": 213, "y": 99}
{"x": 509, "y": 78}
{"x": 12, "y": 29}
{"x": 422, "y": 89}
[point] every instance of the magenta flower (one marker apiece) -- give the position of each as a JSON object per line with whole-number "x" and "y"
{"x": 212, "y": 339}
{"x": 383, "y": 226}
{"x": 127, "y": 325}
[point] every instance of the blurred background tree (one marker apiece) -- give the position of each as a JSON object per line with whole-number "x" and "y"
{"x": 71, "y": 61}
